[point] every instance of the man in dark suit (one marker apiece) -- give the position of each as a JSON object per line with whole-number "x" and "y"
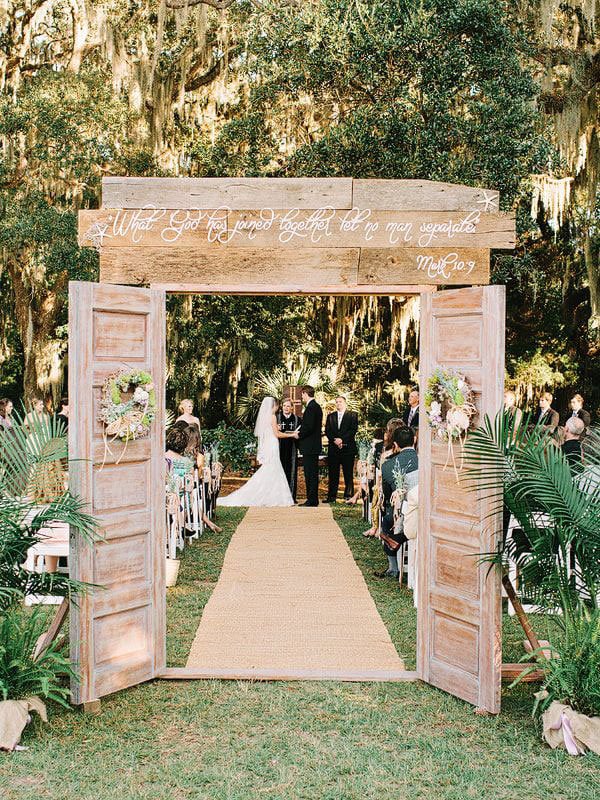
{"x": 546, "y": 416}
{"x": 309, "y": 444}
{"x": 571, "y": 447}
{"x": 405, "y": 460}
{"x": 411, "y": 415}
{"x": 579, "y": 412}
{"x": 340, "y": 428}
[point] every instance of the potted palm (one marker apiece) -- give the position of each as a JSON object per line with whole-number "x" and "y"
{"x": 556, "y": 505}
{"x": 32, "y": 494}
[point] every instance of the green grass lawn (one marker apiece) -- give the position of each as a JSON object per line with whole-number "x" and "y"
{"x": 319, "y": 741}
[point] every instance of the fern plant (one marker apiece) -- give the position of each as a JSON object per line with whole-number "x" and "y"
{"x": 21, "y": 675}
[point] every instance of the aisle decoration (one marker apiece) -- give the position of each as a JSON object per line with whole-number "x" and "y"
{"x": 397, "y": 497}
{"x": 450, "y": 408}
{"x": 127, "y": 407}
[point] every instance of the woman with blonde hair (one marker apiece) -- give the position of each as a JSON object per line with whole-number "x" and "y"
{"x": 185, "y": 408}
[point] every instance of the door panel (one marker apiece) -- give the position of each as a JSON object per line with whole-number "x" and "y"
{"x": 459, "y": 608}
{"x": 118, "y": 628}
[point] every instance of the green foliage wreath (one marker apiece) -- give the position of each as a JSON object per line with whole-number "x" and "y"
{"x": 128, "y": 405}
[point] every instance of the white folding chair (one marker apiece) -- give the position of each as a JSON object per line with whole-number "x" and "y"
{"x": 54, "y": 543}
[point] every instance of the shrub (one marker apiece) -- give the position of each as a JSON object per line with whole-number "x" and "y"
{"x": 236, "y": 446}
{"x": 573, "y": 673}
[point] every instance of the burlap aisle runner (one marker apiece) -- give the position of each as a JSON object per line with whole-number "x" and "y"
{"x": 291, "y": 603}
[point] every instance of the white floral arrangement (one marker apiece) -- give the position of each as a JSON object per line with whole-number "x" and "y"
{"x": 449, "y": 405}
{"x": 128, "y": 405}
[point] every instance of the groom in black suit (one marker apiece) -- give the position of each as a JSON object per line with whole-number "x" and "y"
{"x": 309, "y": 444}
{"x": 340, "y": 429}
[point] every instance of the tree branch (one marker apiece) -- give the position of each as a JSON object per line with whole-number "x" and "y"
{"x": 222, "y": 5}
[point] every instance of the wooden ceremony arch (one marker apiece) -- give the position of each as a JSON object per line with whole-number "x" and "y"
{"x": 280, "y": 236}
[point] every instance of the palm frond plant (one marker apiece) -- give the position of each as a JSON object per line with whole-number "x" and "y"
{"x": 273, "y": 383}
{"x": 33, "y": 494}
{"x": 556, "y": 505}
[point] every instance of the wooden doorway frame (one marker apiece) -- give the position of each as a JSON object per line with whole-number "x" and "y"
{"x": 349, "y": 237}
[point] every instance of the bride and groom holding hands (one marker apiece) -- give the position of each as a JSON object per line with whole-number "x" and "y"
{"x": 273, "y": 484}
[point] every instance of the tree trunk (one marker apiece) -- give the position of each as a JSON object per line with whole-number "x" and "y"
{"x": 591, "y": 254}
{"x": 37, "y": 311}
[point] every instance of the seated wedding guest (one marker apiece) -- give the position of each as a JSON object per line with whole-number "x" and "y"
{"x": 382, "y": 454}
{"x": 546, "y": 416}
{"x": 340, "y": 429}
{"x": 571, "y": 447}
{"x": 186, "y": 408}
{"x": 63, "y": 414}
{"x": 411, "y": 415}
{"x": 6, "y": 408}
{"x": 404, "y": 459}
{"x": 579, "y": 412}
{"x": 183, "y": 449}
{"x": 388, "y": 437}
{"x": 511, "y": 408}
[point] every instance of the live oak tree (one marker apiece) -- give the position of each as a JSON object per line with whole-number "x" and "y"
{"x": 463, "y": 91}
{"x": 57, "y": 136}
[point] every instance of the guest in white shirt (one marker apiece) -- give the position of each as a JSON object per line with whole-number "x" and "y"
{"x": 411, "y": 415}
{"x": 340, "y": 428}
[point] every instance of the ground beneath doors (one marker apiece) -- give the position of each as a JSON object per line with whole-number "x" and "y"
{"x": 291, "y": 603}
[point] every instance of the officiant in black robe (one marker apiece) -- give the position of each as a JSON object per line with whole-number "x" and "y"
{"x": 287, "y": 421}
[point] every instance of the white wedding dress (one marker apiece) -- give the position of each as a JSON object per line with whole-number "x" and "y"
{"x": 268, "y": 486}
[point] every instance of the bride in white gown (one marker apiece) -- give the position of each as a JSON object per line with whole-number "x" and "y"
{"x": 268, "y": 486}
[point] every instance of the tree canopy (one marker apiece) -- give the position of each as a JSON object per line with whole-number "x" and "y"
{"x": 498, "y": 94}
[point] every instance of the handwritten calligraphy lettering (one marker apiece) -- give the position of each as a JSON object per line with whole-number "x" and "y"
{"x": 399, "y": 230}
{"x": 315, "y": 226}
{"x": 432, "y": 230}
{"x": 444, "y": 266}
{"x": 136, "y": 223}
{"x": 216, "y": 226}
{"x": 180, "y": 222}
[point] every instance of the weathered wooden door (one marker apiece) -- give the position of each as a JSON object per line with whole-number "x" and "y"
{"x": 459, "y": 608}
{"x": 117, "y": 629}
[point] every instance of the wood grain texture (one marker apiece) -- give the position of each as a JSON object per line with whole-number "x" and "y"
{"x": 279, "y": 271}
{"x": 117, "y": 629}
{"x": 235, "y": 193}
{"x": 269, "y": 268}
{"x": 340, "y": 290}
{"x": 459, "y": 608}
{"x": 195, "y": 674}
{"x": 293, "y": 228}
{"x": 414, "y": 195}
{"x": 432, "y": 265}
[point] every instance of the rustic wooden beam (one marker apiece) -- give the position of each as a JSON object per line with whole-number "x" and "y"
{"x": 414, "y": 195}
{"x": 194, "y": 674}
{"x": 46, "y": 639}
{"x": 279, "y": 271}
{"x": 294, "y": 228}
{"x": 393, "y": 290}
{"x": 511, "y": 672}
{"x": 236, "y": 193}
{"x": 450, "y": 267}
